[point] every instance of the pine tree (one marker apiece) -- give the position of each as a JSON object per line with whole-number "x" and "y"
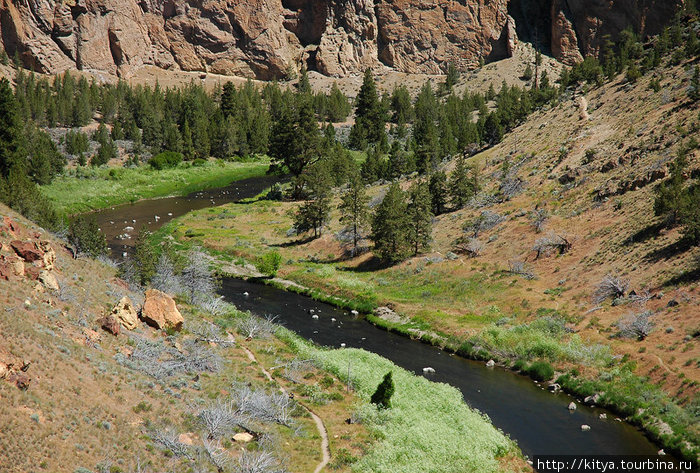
{"x": 425, "y": 131}
{"x": 11, "y": 145}
{"x": 420, "y": 217}
{"x": 401, "y": 106}
{"x": 389, "y": 226}
{"x": 670, "y": 194}
{"x": 437, "y": 186}
{"x": 382, "y": 396}
{"x": 315, "y": 212}
{"x": 370, "y": 117}
{"x": 452, "y": 76}
{"x": 228, "y": 100}
{"x": 694, "y": 89}
{"x": 338, "y": 105}
{"x": 144, "y": 257}
{"x": 187, "y": 144}
{"x": 353, "y": 209}
{"x": 463, "y": 184}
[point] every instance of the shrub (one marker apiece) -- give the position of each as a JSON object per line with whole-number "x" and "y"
{"x": 540, "y": 371}
{"x": 86, "y": 237}
{"x": 382, "y": 396}
{"x": 520, "y": 365}
{"x": 269, "y": 263}
{"x": 198, "y": 162}
{"x": 165, "y": 160}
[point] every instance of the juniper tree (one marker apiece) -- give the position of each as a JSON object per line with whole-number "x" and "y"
{"x": 353, "y": 209}
{"x": 144, "y": 257}
{"x": 382, "y": 396}
{"x": 670, "y": 194}
{"x": 420, "y": 218}
{"x": 389, "y": 225}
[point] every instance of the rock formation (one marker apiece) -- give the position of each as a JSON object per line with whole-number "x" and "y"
{"x": 160, "y": 311}
{"x": 269, "y": 39}
{"x": 125, "y": 313}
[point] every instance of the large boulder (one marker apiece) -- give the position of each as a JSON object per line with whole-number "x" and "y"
{"x": 48, "y": 280}
{"x": 27, "y": 250}
{"x": 160, "y": 311}
{"x": 125, "y": 313}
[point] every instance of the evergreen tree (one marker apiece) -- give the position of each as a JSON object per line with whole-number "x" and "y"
{"x": 389, "y": 225}
{"x": 370, "y": 117}
{"x": 86, "y": 237}
{"x": 437, "y": 186}
{"x": 400, "y": 162}
{"x": 144, "y": 257}
{"x": 425, "y": 131}
{"x": 671, "y": 196}
{"x": 694, "y": 89}
{"x": 401, "y": 106}
{"x": 187, "y": 144}
{"x": 11, "y": 146}
{"x": 420, "y": 217}
{"x": 228, "y": 100}
{"x": 382, "y": 396}
{"x": 463, "y": 184}
{"x": 452, "y": 77}
{"x": 315, "y": 212}
{"x": 374, "y": 167}
{"x": 338, "y": 105}
{"x": 353, "y": 209}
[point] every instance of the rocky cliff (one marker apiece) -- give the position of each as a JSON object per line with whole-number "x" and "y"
{"x": 269, "y": 39}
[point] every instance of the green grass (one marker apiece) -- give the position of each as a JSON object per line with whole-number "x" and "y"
{"x": 105, "y": 187}
{"x": 428, "y": 428}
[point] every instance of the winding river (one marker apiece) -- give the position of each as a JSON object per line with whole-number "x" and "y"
{"x": 538, "y": 420}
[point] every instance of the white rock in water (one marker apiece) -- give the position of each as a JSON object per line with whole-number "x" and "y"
{"x": 490, "y": 364}
{"x": 661, "y": 452}
{"x": 133, "y": 221}
{"x": 428, "y": 369}
{"x": 342, "y": 345}
{"x": 246, "y": 294}
{"x": 572, "y": 406}
{"x": 124, "y": 254}
{"x": 315, "y": 317}
{"x": 129, "y": 229}
{"x": 170, "y": 214}
{"x": 585, "y": 428}
{"x": 354, "y": 312}
{"x": 333, "y": 319}
{"x": 603, "y": 416}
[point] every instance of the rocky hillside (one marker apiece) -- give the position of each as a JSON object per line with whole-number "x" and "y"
{"x": 95, "y": 376}
{"x": 269, "y": 39}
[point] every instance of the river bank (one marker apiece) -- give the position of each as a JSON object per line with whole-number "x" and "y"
{"x": 88, "y": 189}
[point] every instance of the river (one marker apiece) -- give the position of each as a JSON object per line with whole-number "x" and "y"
{"x": 538, "y": 420}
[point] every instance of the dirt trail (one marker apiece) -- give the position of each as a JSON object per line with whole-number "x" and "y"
{"x": 319, "y": 423}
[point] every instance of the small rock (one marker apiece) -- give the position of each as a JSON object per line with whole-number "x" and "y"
{"x": 603, "y": 416}
{"x": 243, "y": 437}
{"x": 342, "y": 345}
{"x": 428, "y": 369}
{"x": 27, "y": 303}
{"x": 315, "y": 317}
{"x": 490, "y": 364}
{"x": 572, "y": 406}
{"x": 332, "y": 319}
{"x": 109, "y": 324}
{"x": 354, "y": 312}
{"x": 591, "y": 400}
{"x": 585, "y": 428}
{"x": 554, "y": 387}
{"x": 661, "y": 452}
{"x": 672, "y": 303}
{"x": 20, "y": 380}
{"x": 27, "y": 250}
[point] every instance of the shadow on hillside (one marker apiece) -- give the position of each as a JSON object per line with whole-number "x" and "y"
{"x": 298, "y": 242}
{"x": 685, "y": 277}
{"x": 646, "y": 233}
{"x": 371, "y": 264}
{"x": 669, "y": 251}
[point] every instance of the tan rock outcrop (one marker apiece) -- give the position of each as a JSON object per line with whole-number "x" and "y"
{"x": 160, "y": 311}
{"x": 48, "y": 280}
{"x": 125, "y": 313}
{"x": 269, "y": 39}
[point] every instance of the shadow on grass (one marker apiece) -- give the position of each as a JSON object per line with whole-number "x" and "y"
{"x": 646, "y": 233}
{"x": 669, "y": 251}
{"x": 685, "y": 277}
{"x": 367, "y": 266}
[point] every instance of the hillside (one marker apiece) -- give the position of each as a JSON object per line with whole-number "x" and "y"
{"x": 592, "y": 163}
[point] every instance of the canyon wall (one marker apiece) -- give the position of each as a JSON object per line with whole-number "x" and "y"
{"x": 268, "y": 39}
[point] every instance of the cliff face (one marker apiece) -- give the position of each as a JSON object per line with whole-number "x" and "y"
{"x": 268, "y": 39}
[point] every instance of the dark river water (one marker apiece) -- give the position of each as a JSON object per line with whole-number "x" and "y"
{"x": 538, "y": 420}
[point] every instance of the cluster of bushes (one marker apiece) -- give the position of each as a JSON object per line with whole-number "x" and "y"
{"x": 165, "y": 160}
